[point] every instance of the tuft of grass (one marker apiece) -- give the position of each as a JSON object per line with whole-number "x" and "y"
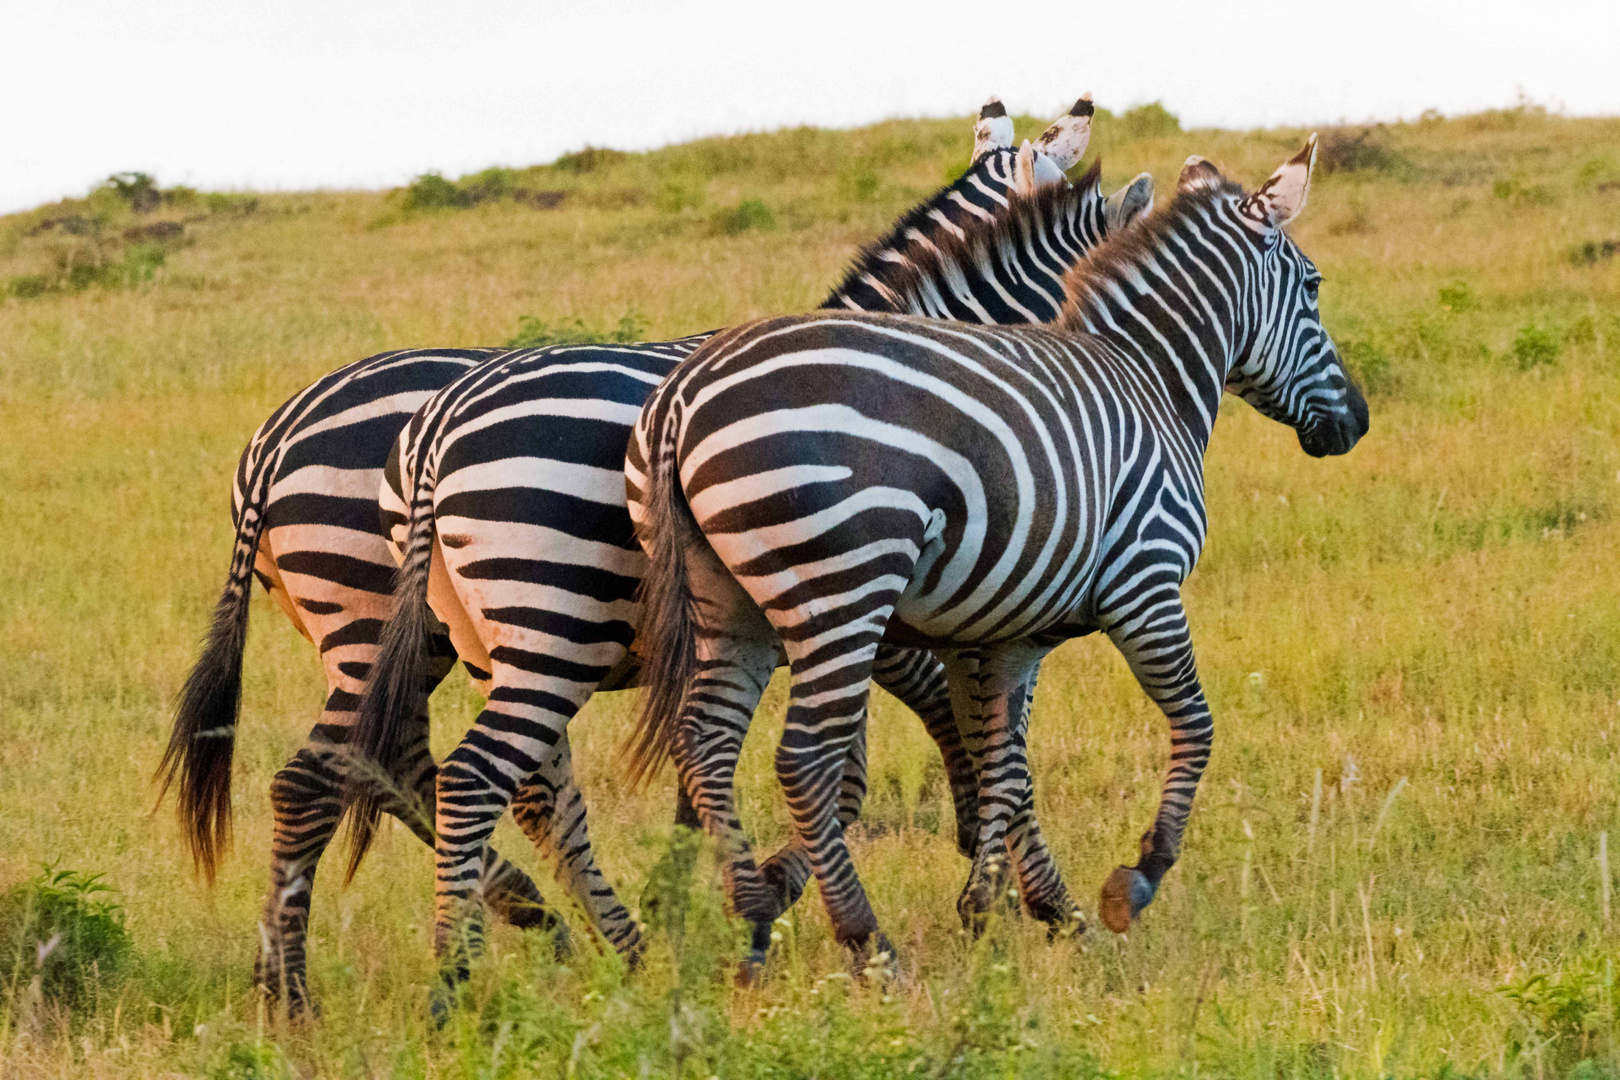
{"x": 62, "y": 939}
{"x": 746, "y": 215}
{"x": 1534, "y": 346}
{"x": 534, "y": 333}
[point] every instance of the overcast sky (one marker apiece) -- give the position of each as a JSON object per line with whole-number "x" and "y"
{"x": 361, "y": 93}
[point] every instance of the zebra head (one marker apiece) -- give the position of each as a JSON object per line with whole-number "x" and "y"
{"x": 1291, "y": 370}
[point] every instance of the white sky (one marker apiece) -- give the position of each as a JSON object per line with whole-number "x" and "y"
{"x": 306, "y": 93}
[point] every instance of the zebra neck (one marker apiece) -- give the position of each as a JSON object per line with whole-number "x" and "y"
{"x": 1178, "y": 308}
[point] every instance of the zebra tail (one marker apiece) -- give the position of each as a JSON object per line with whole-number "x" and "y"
{"x": 394, "y": 687}
{"x": 198, "y": 757}
{"x": 668, "y": 617}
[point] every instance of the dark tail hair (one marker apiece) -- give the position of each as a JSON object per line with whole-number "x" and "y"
{"x": 397, "y": 678}
{"x": 668, "y": 620}
{"x": 204, "y": 735}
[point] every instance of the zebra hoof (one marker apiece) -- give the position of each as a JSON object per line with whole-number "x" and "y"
{"x": 1126, "y": 892}
{"x": 876, "y": 961}
{"x": 1068, "y": 924}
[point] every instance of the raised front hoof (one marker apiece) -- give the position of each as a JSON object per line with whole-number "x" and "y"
{"x": 1126, "y": 892}
{"x": 874, "y": 960}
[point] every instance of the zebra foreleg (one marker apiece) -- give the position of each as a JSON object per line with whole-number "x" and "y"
{"x": 1158, "y": 646}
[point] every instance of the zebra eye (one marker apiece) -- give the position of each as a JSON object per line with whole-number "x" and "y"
{"x": 1312, "y": 284}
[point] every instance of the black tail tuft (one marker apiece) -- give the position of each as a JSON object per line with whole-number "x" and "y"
{"x": 668, "y": 618}
{"x": 204, "y": 735}
{"x": 394, "y": 689}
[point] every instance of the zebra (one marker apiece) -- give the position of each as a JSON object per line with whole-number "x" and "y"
{"x": 305, "y": 522}
{"x": 505, "y": 505}
{"x": 844, "y": 482}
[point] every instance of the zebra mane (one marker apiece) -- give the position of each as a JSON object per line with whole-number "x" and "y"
{"x": 869, "y": 259}
{"x": 1027, "y": 214}
{"x": 1119, "y": 256}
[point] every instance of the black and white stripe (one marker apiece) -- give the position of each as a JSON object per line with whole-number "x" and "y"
{"x": 305, "y": 515}
{"x": 509, "y": 480}
{"x": 846, "y": 482}
{"x": 304, "y": 512}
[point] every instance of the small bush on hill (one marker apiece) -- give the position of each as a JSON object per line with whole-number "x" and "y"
{"x": 431, "y": 191}
{"x": 590, "y": 159}
{"x": 1358, "y": 150}
{"x": 1457, "y": 297}
{"x": 1534, "y": 347}
{"x": 1148, "y": 121}
{"x": 533, "y": 333}
{"x": 61, "y": 934}
{"x": 748, "y": 214}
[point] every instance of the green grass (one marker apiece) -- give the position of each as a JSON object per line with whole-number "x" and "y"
{"x": 1413, "y": 652}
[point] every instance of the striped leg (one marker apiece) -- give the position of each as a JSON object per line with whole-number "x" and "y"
{"x": 551, "y": 812}
{"x": 715, "y": 714}
{"x": 1157, "y": 644}
{"x": 826, "y": 712}
{"x": 516, "y": 750}
{"x": 308, "y": 795}
{"x": 1039, "y": 883}
{"x": 918, "y": 680}
{"x": 996, "y": 684}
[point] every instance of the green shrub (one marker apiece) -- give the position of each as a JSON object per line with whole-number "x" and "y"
{"x": 1457, "y": 297}
{"x": 138, "y": 189}
{"x": 1148, "y": 121}
{"x": 533, "y": 333}
{"x": 1593, "y": 252}
{"x": 1351, "y": 150}
{"x": 1534, "y": 347}
{"x": 590, "y": 159}
{"x": 859, "y": 182}
{"x": 1517, "y": 192}
{"x": 28, "y": 286}
{"x": 679, "y": 195}
{"x": 61, "y": 932}
{"x": 748, "y": 214}
{"x": 431, "y": 191}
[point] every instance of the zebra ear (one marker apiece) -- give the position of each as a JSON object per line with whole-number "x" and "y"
{"x": 1033, "y": 171}
{"x": 1280, "y": 199}
{"x": 1129, "y": 202}
{"x": 1199, "y": 173}
{"x": 1065, "y": 141}
{"x": 993, "y": 130}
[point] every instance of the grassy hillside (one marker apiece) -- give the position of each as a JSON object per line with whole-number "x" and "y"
{"x": 1413, "y": 652}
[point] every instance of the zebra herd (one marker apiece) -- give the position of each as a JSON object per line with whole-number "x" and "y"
{"x": 987, "y": 441}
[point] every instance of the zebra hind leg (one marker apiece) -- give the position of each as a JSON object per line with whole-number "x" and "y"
{"x": 551, "y": 812}
{"x": 996, "y": 686}
{"x": 826, "y": 713}
{"x": 715, "y": 714}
